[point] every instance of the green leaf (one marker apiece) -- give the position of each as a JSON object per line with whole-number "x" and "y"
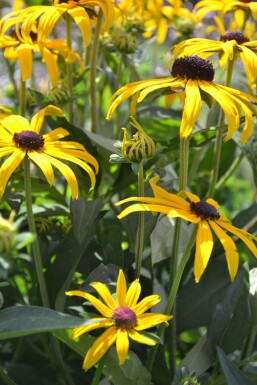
{"x": 20, "y": 321}
{"x": 83, "y": 215}
{"x": 233, "y": 375}
{"x": 226, "y": 318}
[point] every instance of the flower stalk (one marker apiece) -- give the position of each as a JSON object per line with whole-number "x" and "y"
{"x": 141, "y": 220}
{"x": 93, "y": 71}
{"x": 32, "y": 229}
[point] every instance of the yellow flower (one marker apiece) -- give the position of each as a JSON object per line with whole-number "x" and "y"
{"x": 20, "y": 138}
{"x": 48, "y": 15}
{"x": 18, "y": 48}
{"x": 240, "y": 8}
{"x": 123, "y": 317}
{"x": 232, "y": 45}
{"x": 191, "y": 80}
{"x": 202, "y": 213}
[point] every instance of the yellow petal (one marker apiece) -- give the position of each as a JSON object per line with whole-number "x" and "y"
{"x": 141, "y": 338}
{"x": 8, "y": 168}
{"x": 96, "y": 324}
{"x": 229, "y": 247}
{"x": 105, "y": 294}
{"x": 122, "y": 345}
{"x": 121, "y": 289}
{"x": 145, "y": 304}
{"x": 25, "y": 59}
{"x": 148, "y": 320}
{"x": 100, "y": 347}
{"x": 15, "y": 124}
{"x": 43, "y": 164}
{"x": 191, "y": 110}
{"x": 204, "y": 245}
{"x": 100, "y": 306}
{"x": 133, "y": 294}
{"x": 81, "y": 18}
{"x": 38, "y": 118}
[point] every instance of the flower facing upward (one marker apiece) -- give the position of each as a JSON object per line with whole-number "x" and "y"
{"x": 124, "y": 318}
{"x": 192, "y": 80}
{"x": 21, "y": 138}
{"x": 202, "y": 213}
{"x": 232, "y": 45}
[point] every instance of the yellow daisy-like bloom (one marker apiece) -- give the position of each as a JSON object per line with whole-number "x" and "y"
{"x": 202, "y": 213}
{"x": 47, "y": 16}
{"x": 17, "y": 48}
{"x": 232, "y": 45}
{"x": 124, "y": 318}
{"x": 191, "y": 80}
{"x": 241, "y": 9}
{"x": 20, "y": 138}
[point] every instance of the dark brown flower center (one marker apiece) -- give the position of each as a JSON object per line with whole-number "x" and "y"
{"x": 124, "y": 317}
{"x": 248, "y": 1}
{"x": 28, "y": 140}
{"x": 204, "y": 210}
{"x": 193, "y": 67}
{"x": 237, "y": 36}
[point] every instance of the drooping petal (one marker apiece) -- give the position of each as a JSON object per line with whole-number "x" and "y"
{"x": 121, "y": 289}
{"x": 100, "y": 347}
{"x": 105, "y": 294}
{"x": 192, "y": 108}
{"x": 204, "y": 245}
{"x": 56, "y": 134}
{"x": 122, "y": 345}
{"x": 25, "y": 58}
{"x": 50, "y": 60}
{"x": 99, "y": 305}
{"x": 141, "y": 338}
{"x": 242, "y": 234}
{"x": 81, "y": 18}
{"x": 44, "y": 165}
{"x": 8, "y": 168}
{"x": 229, "y": 247}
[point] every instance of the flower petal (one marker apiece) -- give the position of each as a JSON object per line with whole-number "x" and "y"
{"x": 96, "y": 324}
{"x": 121, "y": 289}
{"x": 122, "y": 345}
{"x": 105, "y": 294}
{"x": 8, "y": 168}
{"x": 133, "y": 294}
{"x": 100, "y": 306}
{"x": 204, "y": 245}
{"x": 145, "y": 304}
{"x": 148, "y": 320}
{"x": 229, "y": 247}
{"x": 44, "y": 165}
{"x": 100, "y": 347}
{"x": 141, "y": 338}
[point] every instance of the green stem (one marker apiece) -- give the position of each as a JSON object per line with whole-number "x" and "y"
{"x": 5, "y": 378}
{"x": 118, "y": 85}
{"x": 94, "y": 51}
{"x": 219, "y": 138}
{"x": 99, "y": 370}
{"x": 32, "y": 229}
{"x": 173, "y": 294}
{"x": 183, "y": 172}
{"x": 69, "y": 67}
{"x": 22, "y": 98}
{"x": 141, "y": 222}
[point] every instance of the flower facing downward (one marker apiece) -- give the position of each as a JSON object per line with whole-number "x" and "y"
{"x": 202, "y": 213}
{"x": 192, "y": 82}
{"x": 123, "y": 317}
{"x": 21, "y": 138}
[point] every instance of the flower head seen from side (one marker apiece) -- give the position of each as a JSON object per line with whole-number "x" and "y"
{"x": 20, "y": 138}
{"x": 232, "y": 45}
{"x": 205, "y": 215}
{"x": 46, "y": 16}
{"x": 123, "y": 317}
{"x": 192, "y": 80}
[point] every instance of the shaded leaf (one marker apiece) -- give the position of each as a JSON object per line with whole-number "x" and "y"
{"x": 233, "y": 375}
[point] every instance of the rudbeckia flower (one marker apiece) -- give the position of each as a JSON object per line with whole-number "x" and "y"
{"x": 123, "y": 317}
{"x": 192, "y": 80}
{"x": 20, "y": 138}
{"x": 232, "y": 45}
{"x": 48, "y": 15}
{"x": 16, "y": 48}
{"x": 225, "y": 6}
{"x": 202, "y": 213}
